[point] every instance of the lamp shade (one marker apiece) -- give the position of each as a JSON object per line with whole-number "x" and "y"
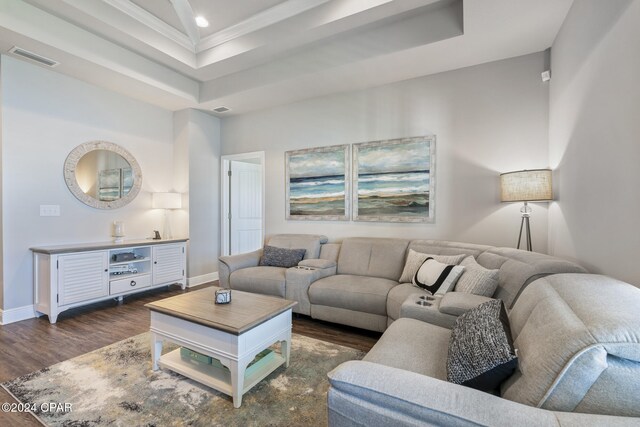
{"x": 166, "y": 200}
{"x": 526, "y": 186}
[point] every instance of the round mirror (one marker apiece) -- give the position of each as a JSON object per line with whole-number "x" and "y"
{"x": 102, "y": 175}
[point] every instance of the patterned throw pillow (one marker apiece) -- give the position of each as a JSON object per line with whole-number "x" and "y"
{"x": 281, "y": 257}
{"x": 436, "y": 277}
{"x": 476, "y": 279}
{"x": 416, "y": 259}
{"x": 481, "y": 353}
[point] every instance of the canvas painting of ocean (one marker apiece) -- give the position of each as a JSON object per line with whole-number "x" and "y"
{"x": 393, "y": 180}
{"x": 318, "y": 183}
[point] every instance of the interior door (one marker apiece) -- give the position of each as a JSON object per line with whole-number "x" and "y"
{"x": 246, "y": 207}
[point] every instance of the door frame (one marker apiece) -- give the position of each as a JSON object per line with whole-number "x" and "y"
{"x": 224, "y": 195}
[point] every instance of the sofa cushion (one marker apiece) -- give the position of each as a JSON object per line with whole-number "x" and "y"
{"x": 375, "y": 257}
{"x": 481, "y": 353}
{"x": 519, "y": 268}
{"x": 281, "y": 257}
{"x": 358, "y": 293}
{"x": 261, "y": 280}
{"x": 310, "y": 242}
{"x": 415, "y": 346}
{"x": 416, "y": 259}
{"x": 476, "y": 279}
{"x": 578, "y": 340}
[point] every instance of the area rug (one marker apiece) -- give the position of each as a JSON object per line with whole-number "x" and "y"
{"x": 115, "y": 386}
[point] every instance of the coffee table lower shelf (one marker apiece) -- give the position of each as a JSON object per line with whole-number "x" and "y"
{"x": 216, "y": 377}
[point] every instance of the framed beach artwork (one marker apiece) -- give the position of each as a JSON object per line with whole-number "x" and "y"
{"x": 317, "y": 183}
{"x": 394, "y": 180}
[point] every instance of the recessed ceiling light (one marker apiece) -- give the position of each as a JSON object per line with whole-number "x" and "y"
{"x": 221, "y": 109}
{"x": 202, "y": 22}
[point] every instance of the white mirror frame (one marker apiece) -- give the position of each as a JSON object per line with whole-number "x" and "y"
{"x": 71, "y": 164}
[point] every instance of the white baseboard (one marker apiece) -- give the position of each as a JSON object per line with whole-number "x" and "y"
{"x": 13, "y": 315}
{"x": 200, "y": 280}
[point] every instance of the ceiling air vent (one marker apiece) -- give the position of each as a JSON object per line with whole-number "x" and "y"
{"x": 33, "y": 57}
{"x": 221, "y": 109}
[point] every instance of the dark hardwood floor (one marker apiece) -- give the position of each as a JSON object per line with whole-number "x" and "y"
{"x": 34, "y": 344}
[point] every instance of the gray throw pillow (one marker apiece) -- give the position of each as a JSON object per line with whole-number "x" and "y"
{"x": 481, "y": 353}
{"x": 476, "y": 279}
{"x": 416, "y": 259}
{"x": 280, "y": 257}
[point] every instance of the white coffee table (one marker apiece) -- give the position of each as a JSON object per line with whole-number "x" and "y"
{"x": 233, "y": 333}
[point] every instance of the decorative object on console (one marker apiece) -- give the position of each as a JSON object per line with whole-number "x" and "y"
{"x": 394, "y": 180}
{"x": 436, "y": 277}
{"x": 481, "y": 353}
{"x": 476, "y": 279}
{"x": 118, "y": 231}
{"x": 317, "y": 183}
{"x": 526, "y": 186}
{"x": 416, "y": 259}
{"x": 280, "y": 257}
{"x": 102, "y": 175}
{"x": 166, "y": 201}
{"x": 223, "y": 296}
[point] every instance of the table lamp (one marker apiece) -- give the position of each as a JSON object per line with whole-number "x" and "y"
{"x": 526, "y": 186}
{"x": 166, "y": 201}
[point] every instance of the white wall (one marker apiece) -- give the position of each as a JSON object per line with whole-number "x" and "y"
{"x": 594, "y": 137}
{"x": 44, "y": 116}
{"x": 197, "y": 168}
{"x": 487, "y": 119}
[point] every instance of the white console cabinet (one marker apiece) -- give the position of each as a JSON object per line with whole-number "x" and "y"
{"x": 70, "y": 276}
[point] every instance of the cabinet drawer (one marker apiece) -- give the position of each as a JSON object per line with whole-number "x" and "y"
{"x": 129, "y": 284}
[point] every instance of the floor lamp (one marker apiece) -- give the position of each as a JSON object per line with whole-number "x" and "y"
{"x": 166, "y": 201}
{"x": 526, "y": 186}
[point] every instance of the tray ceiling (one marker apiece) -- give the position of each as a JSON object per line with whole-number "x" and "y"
{"x": 256, "y": 54}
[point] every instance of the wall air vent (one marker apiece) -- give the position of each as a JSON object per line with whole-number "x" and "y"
{"x": 33, "y": 57}
{"x": 221, "y": 109}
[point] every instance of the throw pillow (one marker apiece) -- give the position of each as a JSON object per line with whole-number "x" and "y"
{"x": 436, "y": 277}
{"x": 476, "y": 279}
{"x": 280, "y": 257}
{"x": 481, "y": 353}
{"x": 416, "y": 259}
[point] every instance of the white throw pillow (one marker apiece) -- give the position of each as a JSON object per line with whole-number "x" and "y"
{"x": 476, "y": 279}
{"x": 416, "y": 259}
{"x": 437, "y": 277}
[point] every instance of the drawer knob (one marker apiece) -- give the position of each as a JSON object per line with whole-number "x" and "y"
{"x": 133, "y": 283}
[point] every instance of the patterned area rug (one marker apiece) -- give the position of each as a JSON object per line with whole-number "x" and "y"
{"x": 115, "y": 386}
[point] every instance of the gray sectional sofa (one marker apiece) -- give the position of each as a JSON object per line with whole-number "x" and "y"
{"x": 577, "y": 335}
{"x": 355, "y": 282}
{"x": 578, "y": 342}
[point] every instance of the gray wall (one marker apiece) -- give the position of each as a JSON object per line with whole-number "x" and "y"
{"x": 594, "y": 137}
{"x": 197, "y": 172}
{"x": 487, "y": 119}
{"x": 44, "y": 116}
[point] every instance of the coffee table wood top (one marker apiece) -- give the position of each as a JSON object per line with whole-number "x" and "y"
{"x": 245, "y": 311}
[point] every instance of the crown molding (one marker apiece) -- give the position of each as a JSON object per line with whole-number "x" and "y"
{"x": 257, "y": 22}
{"x": 187, "y": 18}
{"x": 139, "y": 14}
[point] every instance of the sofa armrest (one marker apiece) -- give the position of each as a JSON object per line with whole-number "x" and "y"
{"x": 317, "y": 263}
{"x": 366, "y": 393}
{"x": 298, "y": 280}
{"x": 229, "y": 264}
{"x": 458, "y": 303}
{"x": 429, "y": 313}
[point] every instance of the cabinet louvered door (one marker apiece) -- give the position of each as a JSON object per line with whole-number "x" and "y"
{"x": 168, "y": 264}
{"x": 83, "y": 277}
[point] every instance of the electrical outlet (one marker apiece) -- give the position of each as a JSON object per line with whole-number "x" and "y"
{"x": 49, "y": 210}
